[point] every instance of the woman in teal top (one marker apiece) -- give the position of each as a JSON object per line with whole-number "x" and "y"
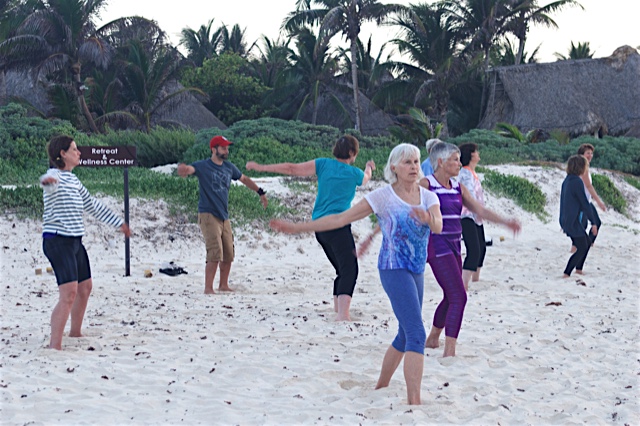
{"x": 337, "y": 182}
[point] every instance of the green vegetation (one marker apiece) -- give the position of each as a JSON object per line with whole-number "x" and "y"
{"x": 524, "y": 193}
{"x": 632, "y": 181}
{"x": 180, "y": 194}
{"x": 233, "y": 94}
{"x": 609, "y": 193}
{"x": 267, "y": 140}
{"x": 621, "y": 153}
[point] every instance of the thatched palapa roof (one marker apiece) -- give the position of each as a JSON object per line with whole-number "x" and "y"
{"x": 588, "y": 96}
{"x": 375, "y": 121}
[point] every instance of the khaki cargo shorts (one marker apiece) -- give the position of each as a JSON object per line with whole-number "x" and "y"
{"x": 218, "y": 238}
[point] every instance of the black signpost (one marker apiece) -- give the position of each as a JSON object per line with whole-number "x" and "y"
{"x": 113, "y": 156}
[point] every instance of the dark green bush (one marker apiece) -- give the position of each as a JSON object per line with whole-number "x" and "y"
{"x": 609, "y": 193}
{"x": 269, "y": 150}
{"x": 632, "y": 181}
{"x": 524, "y": 193}
{"x": 621, "y": 154}
{"x": 24, "y": 138}
{"x": 23, "y": 201}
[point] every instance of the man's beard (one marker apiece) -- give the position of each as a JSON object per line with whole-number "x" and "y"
{"x": 222, "y": 156}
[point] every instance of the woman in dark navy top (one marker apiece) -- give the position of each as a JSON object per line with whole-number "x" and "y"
{"x": 573, "y": 203}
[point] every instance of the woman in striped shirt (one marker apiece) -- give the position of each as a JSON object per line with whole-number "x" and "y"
{"x": 65, "y": 201}
{"x": 443, "y": 252}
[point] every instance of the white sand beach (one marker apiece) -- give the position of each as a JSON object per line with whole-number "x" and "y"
{"x": 534, "y": 349}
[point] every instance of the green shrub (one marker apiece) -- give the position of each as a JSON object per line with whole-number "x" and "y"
{"x": 180, "y": 194}
{"x": 620, "y": 153}
{"x": 632, "y": 181}
{"x": 24, "y": 138}
{"x": 23, "y": 201}
{"x": 269, "y": 150}
{"x": 524, "y": 193}
{"x": 609, "y": 193}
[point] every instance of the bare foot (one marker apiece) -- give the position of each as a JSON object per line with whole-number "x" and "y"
{"x": 579, "y": 272}
{"x": 57, "y": 349}
{"x": 432, "y": 343}
{"x": 565, "y": 276}
{"x": 209, "y": 292}
{"x": 573, "y": 249}
{"x": 76, "y": 335}
{"x": 339, "y": 318}
{"x": 225, "y": 289}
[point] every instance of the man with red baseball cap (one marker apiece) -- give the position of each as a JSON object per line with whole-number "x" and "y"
{"x": 214, "y": 179}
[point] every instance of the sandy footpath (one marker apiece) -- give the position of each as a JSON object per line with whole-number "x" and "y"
{"x": 534, "y": 348}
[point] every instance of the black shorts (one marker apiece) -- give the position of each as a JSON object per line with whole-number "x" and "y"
{"x": 68, "y": 258}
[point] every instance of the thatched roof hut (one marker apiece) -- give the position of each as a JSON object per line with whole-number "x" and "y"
{"x": 588, "y": 96}
{"x": 187, "y": 112}
{"x": 21, "y": 85}
{"x": 375, "y": 121}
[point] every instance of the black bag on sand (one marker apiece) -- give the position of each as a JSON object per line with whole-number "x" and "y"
{"x": 172, "y": 269}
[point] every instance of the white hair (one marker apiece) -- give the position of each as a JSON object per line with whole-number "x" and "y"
{"x": 397, "y": 155}
{"x": 443, "y": 151}
{"x": 430, "y": 143}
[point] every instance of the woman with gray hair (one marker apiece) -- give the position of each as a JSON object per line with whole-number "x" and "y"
{"x": 406, "y": 214}
{"x": 444, "y": 249}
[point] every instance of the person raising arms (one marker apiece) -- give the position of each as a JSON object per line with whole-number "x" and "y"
{"x": 337, "y": 182}
{"x": 65, "y": 201}
{"x": 406, "y": 214}
{"x": 444, "y": 249}
{"x": 214, "y": 180}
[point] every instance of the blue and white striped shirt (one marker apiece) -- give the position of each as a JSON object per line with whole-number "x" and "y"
{"x": 65, "y": 203}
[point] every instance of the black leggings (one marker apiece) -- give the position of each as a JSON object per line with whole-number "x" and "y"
{"x": 475, "y": 244}
{"x": 340, "y": 249}
{"x": 598, "y": 223}
{"x": 582, "y": 244}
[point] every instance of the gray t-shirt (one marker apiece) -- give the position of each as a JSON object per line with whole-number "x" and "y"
{"x": 214, "y": 182}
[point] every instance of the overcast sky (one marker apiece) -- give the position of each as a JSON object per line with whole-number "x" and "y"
{"x": 605, "y": 24}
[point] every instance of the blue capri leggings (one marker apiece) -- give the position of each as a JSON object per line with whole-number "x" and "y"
{"x": 405, "y": 290}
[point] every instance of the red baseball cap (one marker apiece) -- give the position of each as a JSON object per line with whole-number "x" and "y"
{"x": 219, "y": 141}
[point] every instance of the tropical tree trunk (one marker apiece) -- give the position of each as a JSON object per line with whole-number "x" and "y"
{"x": 75, "y": 69}
{"x": 520, "y": 51}
{"x": 485, "y": 68}
{"x": 314, "y": 110}
{"x": 354, "y": 81}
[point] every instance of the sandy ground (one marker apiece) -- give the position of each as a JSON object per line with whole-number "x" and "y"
{"x": 534, "y": 348}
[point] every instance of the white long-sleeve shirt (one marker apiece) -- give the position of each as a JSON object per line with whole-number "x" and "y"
{"x": 65, "y": 203}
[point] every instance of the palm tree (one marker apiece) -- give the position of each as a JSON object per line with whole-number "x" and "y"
{"x": 145, "y": 78}
{"x": 233, "y": 41}
{"x": 526, "y": 13}
{"x": 344, "y": 17}
{"x": 201, "y": 44}
{"x": 373, "y": 73}
{"x": 579, "y": 51}
{"x": 483, "y": 22}
{"x": 311, "y": 73}
{"x": 504, "y": 55}
{"x": 57, "y": 42}
{"x": 272, "y": 60}
{"x": 436, "y": 63}
{"x": 108, "y": 98}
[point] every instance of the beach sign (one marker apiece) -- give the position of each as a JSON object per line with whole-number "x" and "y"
{"x": 113, "y": 156}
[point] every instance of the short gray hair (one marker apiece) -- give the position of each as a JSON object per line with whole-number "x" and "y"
{"x": 443, "y": 151}
{"x": 398, "y": 154}
{"x": 430, "y": 143}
